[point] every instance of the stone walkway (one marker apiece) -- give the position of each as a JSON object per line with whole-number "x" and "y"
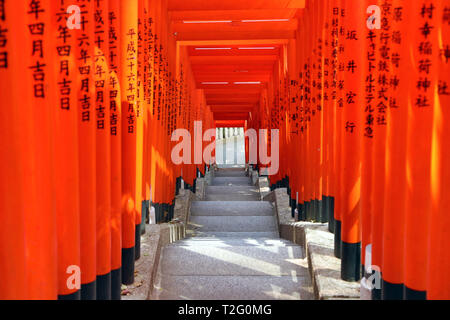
{"x": 233, "y": 251}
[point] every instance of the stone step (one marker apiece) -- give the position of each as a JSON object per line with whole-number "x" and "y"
{"x": 243, "y": 235}
{"x": 231, "y": 189}
{"x": 232, "y": 197}
{"x": 230, "y": 242}
{"x": 233, "y": 288}
{"x": 236, "y": 260}
{"x": 230, "y": 173}
{"x": 231, "y": 167}
{"x": 231, "y": 208}
{"x": 233, "y": 223}
{"x": 232, "y": 193}
{"x": 231, "y": 181}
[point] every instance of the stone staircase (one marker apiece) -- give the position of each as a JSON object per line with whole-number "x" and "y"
{"x": 233, "y": 251}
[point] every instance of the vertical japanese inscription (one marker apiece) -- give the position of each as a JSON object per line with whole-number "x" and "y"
{"x": 3, "y": 37}
{"x": 114, "y": 60}
{"x": 36, "y": 31}
{"x": 131, "y": 75}
{"x": 84, "y": 62}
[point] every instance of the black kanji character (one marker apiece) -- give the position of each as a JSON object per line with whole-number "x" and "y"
{"x": 35, "y": 8}
{"x": 427, "y": 11}
{"x": 36, "y": 28}
{"x": 349, "y": 126}
{"x": 426, "y": 30}
{"x": 351, "y": 66}
{"x": 443, "y": 88}
{"x": 398, "y": 14}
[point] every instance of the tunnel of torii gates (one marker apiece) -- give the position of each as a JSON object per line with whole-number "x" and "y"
{"x": 360, "y": 98}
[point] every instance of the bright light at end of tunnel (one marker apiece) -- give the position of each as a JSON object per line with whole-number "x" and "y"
{"x": 230, "y": 21}
{"x": 248, "y": 82}
{"x": 208, "y": 21}
{"x": 212, "y": 48}
{"x": 256, "y": 48}
{"x": 267, "y": 20}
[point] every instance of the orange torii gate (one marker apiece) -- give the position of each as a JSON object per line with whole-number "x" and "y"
{"x": 359, "y": 100}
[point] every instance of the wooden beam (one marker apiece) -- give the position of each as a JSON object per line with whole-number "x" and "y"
{"x": 229, "y": 123}
{"x": 221, "y": 42}
{"x": 231, "y": 78}
{"x": 233, "y": 59}
{"x": 257, "y": 36}
{"x": 225, "y": 92}
{"x": 189, "y": 5}
{"x": 230, "y": 116}
{"x": 228, "y": 109}
{"x": 198, "y": 51}
{"x": 235, "y": 26}
{"x": 235, "y": 15}
{"x": 216, "y": 68}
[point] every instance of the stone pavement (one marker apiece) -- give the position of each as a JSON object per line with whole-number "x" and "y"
{"x": 233, "y": 250}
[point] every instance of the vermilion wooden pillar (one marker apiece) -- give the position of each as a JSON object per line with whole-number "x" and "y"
{"x": 128, "y": 81}
{"x": 14, "y": 134}
{"x": 62, "y": 95}
{"x": 438, "y": 282}
{"x": 338, "y": 55}
{"x": 103, "y": 149}
{"x": 396, "y": 174}
{"x": 422, "y": 103}
{"x": 116, "y": 147}
{"x": 85, "y": 88}
{"x": 28, "y": 229}
{"x": 354, "y": 76}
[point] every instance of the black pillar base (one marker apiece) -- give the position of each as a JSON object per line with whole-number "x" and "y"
{"x": 172, "y": 211}
{"x": 351, "y": 261}
{"x": 73, "y": 296}
{"x": 376, "y": 294}
{"x": 144, "y": 215}
{"x": 128, "y": 265}
{"x": 147, "y": 213}
{"x": 318, "y": 208}
{"x": 337, "y": 239}
{"x": 323, "y": 209}
{"x": 89, "y": 291}
{"x": 147, "y": 218}
{"x": 301, "y": 212}
{"x": 411, "y": 294}
{"x": 308, "y": 211}
{"x": 315, "y": 210}
{"x": 194, "y": 187}
{"x": 177, "y": 185}
{"x": 158, "y": 215}
{"x": 165, "y": 208}
{"x": 392, "y": 291}
{"x": 116, "y": 284}
{"x": 293, "y": 207}
{"x": 137, "y": 242}
{"x": 331, "y": 220}
{"x": 104, "y": 287}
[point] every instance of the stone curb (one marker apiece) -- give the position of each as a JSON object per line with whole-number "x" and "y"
{"x": 200, "y": 189}
{"x": 324, "y": 267}
{"x": 158, "y": 236}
